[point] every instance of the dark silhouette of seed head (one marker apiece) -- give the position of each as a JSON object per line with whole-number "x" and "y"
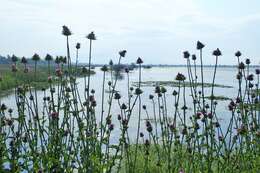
{"x": 180, "y": 77}
{"x": 241, "y": 66}
{"x": 186, "y": 54}
{"x": 200, "y": 45}
{"x": 174, "y": 92}
{"x": 35, "y": 57}
{"x": 139, "y": 61}
{"x": 24, "y": 60}
{"x": 117, "y": 96}
{"x": 194, "y": 57}
{"x": 14, "y": 58}
{"x": 111, "y": 62}
{"x": 257, "y": 71}
{"x": 78, "y": 46}
{"x": 138, "y": 91}
{"x": 66, "y": 31}
{"x": 48, "y": 57}
{"x": 248, "y": 61}
{"x": 123, "y": 106}
{"x": 163, "y": 90}
{"x": 217, "y": 52}
{"x": 250, "y": 77}
{"x": 91, "y": 36}
{"x": 238, "y": 54}
{"x": 122, "y": 53}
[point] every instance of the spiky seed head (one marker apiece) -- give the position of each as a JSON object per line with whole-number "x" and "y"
{"x": 66, "y": 31}
{"x": 91, "y": 36}
{"x": 217, "y": 52}
{"x": 180, "y": 77}
{"x": 194, "y": 57}
{"x": 122, "y": 53}
{"x": 14, "y": 58}
{"x": 78, "y": 46}
{"x": 139, "y": 61}
{"x": 200, "y": 45}
{"x": 35, "y": 57}
{"x": 186, "y": 54}
{"x": 24, "y": 60}
{"x": 238, "y": 54}
{"x": 48, "y": 57}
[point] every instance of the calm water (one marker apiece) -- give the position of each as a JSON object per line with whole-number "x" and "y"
{"x": 225, "y": 76}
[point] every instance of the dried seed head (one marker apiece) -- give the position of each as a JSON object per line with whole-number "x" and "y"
{"x": 122, "y": 53}
{"x": 66, "y": 31}
{"x": 91, "y": 36}
{"x": 78, "y": 46}
{"x": 139, "y": 61}
{"x": 186, "y": 54}
{"x": 194, "y": 57}
{"x": 217, "y": 52}
{"x": 238, "y": 54}
{"x": 200, "y": 45}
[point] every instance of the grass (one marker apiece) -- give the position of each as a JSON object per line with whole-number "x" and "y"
{"x": 176, "y": 84}
{"x": 9, "y": 79}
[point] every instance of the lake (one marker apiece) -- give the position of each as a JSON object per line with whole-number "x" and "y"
{"x": 225, "y": 76}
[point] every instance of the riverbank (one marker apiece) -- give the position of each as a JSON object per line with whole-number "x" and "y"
{"x": 9, "y": 79}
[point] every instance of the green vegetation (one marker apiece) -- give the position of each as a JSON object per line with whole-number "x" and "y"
{"x": 218, "y": 98}
{"x": 10, "y": 79}
{"x": 176, "y": 84}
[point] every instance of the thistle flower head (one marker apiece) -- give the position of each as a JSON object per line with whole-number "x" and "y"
{"x": 35, "y": 57}
{"x": 24, "y": 60}
{"x": 194, "y": 57}
{"x": 257, "y": 71}
{"x": 111, "y": 62}
{"x": 57, "y": 60}
{"x": 117, "y": 96}
{"x": 138, "y": 91}
{"x": 48, "y": 57}
{"x": 250, "y": 77}
{"x": 238, "y": 54}
{"x": 248, "y": 61}
{"x": 241, "y": 66}
{"x": 123, "y": 106}
{"x": 78, "y": 46}
{"x": 180, "y": 77}
{"x": 217, "y": 52}
{"x": 54, "y": 115}
{"x": 63, "y": 59}
{"x": 111, "y": 127}
{"x": 14, "y": 58}
{"x": 122, "y": 53}
{"x": 186, "y": 54}
{"x": 139, "y": 61}
{"x": 66, "y": 31}
{"x": 91, "y": 36}
{"x": 200, "y": 45}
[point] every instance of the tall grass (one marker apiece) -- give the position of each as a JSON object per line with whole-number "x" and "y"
{"x": 62, "y": 131}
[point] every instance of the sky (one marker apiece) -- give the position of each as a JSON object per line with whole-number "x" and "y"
{"x": 158, "y": 31}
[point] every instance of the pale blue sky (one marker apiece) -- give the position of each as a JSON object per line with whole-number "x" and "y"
{"x": 156, "y": 30}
